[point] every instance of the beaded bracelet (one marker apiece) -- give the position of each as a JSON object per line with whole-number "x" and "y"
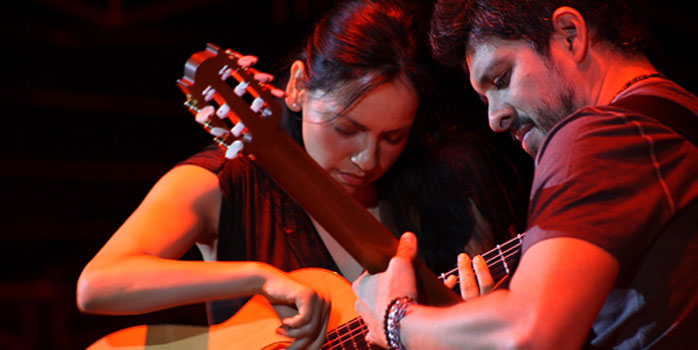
{"x": 391, "y": 321}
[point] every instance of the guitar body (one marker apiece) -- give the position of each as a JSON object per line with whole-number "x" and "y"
{"x": 252, "y": 327}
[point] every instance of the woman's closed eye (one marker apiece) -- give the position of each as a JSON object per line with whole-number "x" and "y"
{"x": 395, "y": 138}
{"x": 344, "y": 131}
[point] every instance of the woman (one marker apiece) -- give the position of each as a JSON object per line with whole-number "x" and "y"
{"x": 356, "y": 102}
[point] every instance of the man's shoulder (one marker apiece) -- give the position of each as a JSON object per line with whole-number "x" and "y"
{"x": 609, "y": 121}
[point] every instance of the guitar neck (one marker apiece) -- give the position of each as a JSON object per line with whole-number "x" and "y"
{"x": 361, "y": 234}
{"x": 256, "y": 132}
{"x": 503, "y": 259}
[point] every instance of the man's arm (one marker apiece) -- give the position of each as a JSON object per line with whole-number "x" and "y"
{"x": 552, "y": 301}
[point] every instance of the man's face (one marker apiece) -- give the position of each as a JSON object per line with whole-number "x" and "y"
{"x": 526, "y": 92}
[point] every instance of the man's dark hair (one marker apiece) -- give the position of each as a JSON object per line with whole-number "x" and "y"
{"x": 460, "y": 24}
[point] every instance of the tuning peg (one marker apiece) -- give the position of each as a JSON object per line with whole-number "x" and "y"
{"x": 192, "y": 104}
{"x": 203, "y": 114}
{"x": 241, "y": 88}
{"x": 232, "y": 54}
{"x": 237, "y": 129}
{"x": 222, "y": 111}
{"x": 225, "y": 72}
{"x": 266, "y": 113}
{"x": 218, "y": 132}
{"x": 233, "y": 150}
{"x": 257, "y": 104}
{"x": 208, "y": 93}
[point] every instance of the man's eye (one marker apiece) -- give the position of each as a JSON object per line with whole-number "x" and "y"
{"x": 501, "y": 82}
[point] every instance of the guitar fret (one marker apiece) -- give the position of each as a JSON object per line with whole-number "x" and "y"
{"x": 347, "y": 336}
{"x": 506, "y": 267}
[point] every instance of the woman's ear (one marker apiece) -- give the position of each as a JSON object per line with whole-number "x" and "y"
{"x": 570, "y": 26}
{"x": 295, "y": 89}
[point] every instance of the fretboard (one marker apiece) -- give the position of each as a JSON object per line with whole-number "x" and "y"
{"x": 502, "y": 260}
{"x": 349, "y": 336}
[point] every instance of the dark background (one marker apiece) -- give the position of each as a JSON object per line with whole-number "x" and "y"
{"x": 92, "y": 117}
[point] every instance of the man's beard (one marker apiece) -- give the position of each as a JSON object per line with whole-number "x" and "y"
{"x": 548, "y": 117}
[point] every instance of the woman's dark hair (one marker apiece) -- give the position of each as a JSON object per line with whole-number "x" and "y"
{"x": 362, "y": 44}
{"x": 459, "y": 24}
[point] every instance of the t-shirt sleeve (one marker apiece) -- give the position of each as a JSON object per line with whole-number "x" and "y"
{"x": 599, "y": 179}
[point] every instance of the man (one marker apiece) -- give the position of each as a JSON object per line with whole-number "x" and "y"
{"x": 608, "y": 259}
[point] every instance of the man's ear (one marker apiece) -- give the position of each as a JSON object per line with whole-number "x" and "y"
{"x": 295, "y": 89}
{"x": 569, "y": 26}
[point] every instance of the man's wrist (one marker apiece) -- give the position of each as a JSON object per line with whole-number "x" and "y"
{"x": 394, "y": 312}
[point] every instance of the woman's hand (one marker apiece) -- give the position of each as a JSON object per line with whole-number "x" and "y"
{"x": 304, "y": 312}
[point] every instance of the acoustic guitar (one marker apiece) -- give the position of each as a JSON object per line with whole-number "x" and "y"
{"x": 242, "y": 115}
{"x": 253, "y": 326}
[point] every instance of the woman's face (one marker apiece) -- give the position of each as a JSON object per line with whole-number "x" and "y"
{"x": 359, "y": 145}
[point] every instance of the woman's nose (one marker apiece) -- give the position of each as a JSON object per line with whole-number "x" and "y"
{"x": 367, "y": 157}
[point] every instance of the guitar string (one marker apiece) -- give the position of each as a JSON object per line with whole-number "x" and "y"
{"x": 509, "y": 257}
{"x": 346, "y": 337}
{"x": 356, "y": 337}
{"x": 489, "y": 261}
{"x": 348, "y": 341}
{"x": 496, "y": 252}
{"x": 500, "y": 270}
{"x": 516, "y": 241}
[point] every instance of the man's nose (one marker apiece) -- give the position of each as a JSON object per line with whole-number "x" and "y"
{"x": 501, "y": 117}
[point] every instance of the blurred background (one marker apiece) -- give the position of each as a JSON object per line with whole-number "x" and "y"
{"x": 92, "y": 118}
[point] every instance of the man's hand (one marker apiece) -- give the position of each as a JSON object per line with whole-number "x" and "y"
{"x": 474, "y": 277}
{"x": 374, "y": 292}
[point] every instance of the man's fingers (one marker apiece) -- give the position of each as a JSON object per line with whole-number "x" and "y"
{"x": 407, "y": 248}
{"x": 451, "y": 281}
{"x": 371, "y": 338}
{"x": 484, "y": 277}
{"x": 468, "y": 283}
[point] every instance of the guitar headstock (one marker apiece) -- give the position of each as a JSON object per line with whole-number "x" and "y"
{"x": 239, "y": 111}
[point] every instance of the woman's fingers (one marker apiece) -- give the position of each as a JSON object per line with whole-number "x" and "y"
{"x": 309, "y": 326}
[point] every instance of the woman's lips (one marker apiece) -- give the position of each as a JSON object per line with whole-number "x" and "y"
{"x": 351, "y": 179}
